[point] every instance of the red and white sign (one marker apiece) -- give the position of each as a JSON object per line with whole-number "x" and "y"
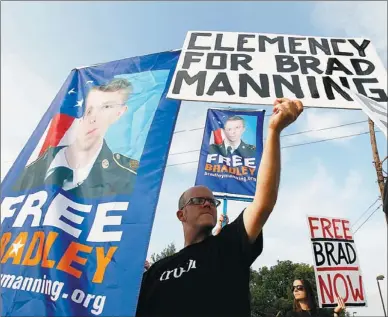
{"x": 336, "y": 266}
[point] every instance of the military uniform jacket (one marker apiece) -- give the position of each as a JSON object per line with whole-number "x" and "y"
{"x": 110, "y": 174}
{"x": 243, "y": 150}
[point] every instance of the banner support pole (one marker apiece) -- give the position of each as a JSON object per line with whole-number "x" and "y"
{"x": 377, "y": 163}
{"x": 225, "y": 210}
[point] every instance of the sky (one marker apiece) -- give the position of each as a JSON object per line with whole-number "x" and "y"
{"x": 42, "y": 41}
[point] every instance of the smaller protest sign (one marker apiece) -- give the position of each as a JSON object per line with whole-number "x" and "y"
{"x": 231, "y": 151}
{"x": 336, "y": 266}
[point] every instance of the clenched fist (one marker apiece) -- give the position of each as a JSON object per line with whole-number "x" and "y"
{"x": 285, "y": 111}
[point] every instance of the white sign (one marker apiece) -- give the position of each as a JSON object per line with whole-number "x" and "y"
{"x": 255, "y": 68}
{"x": 377, "y": 112}
{"x": 336, "y": 266}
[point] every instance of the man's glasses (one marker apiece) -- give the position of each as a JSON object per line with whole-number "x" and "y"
{"x": 201, "y": 201}
{"x": 298, "y": 288}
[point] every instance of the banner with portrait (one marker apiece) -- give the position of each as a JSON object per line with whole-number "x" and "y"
{"x": 75, "y": 223}
{"x": 231, "y": 151}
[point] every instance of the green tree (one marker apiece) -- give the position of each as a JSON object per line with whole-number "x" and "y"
{"x": 271, "y": 287}
{"x": 169, "y": 250}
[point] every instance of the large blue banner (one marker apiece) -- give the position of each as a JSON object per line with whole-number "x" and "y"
{"x": 231, "y": 151}
{"x": 75, "y": 222}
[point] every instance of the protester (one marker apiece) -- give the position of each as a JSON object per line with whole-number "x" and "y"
{"x": 210, "y": 275}
{"x": 305, "y": 304}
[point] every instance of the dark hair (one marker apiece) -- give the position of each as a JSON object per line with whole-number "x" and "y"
{"x": 310, "y": 297}
{"x": 235, "y": 118}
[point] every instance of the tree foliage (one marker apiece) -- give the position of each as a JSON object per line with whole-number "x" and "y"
{"x": 271, "y": 292}
{"x": 169, "y": 250}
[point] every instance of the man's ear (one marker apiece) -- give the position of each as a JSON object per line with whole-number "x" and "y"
{"x": 180, "y": 215}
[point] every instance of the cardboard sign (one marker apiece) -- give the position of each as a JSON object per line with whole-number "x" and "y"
{"x": 336, "y": 266}
{"x": 253, "y": 68}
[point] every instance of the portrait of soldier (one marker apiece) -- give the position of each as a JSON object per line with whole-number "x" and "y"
{"x": 233, "y": 144}
{"x": 87, "y": 167}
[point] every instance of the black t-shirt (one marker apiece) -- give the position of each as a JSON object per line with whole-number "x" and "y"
{"x": 210, "y": 278}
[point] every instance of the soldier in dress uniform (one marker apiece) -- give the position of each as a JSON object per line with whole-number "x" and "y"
{"x": 233, "y": 145}
{"x": 87, "y": 167}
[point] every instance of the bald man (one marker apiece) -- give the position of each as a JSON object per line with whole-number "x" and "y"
{"x": 210, "y": 275}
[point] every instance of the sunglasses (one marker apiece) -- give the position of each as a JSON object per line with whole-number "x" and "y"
{"x": 201, "y": 201}
{"x": 298, "y": 288}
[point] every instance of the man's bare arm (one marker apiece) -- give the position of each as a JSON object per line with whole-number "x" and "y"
{"x": 268, "y": 178}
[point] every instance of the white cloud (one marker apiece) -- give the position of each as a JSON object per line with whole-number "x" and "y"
{"x": 187, "y": 136}
{"x": 185, "y": 147}
{"x": 318, "y": 119}
{"x": 355, "y": 19}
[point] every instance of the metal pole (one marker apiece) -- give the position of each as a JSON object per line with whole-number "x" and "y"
{"x": 224, "y": 210}
{"x": 381, "y": 296}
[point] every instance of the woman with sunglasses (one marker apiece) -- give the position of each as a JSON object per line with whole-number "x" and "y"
{"x": 305, "y": 304}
